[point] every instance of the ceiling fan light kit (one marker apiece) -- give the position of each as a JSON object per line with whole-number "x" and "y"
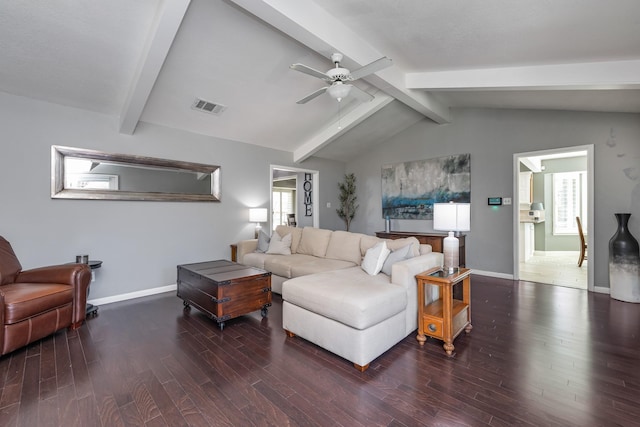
{"x": 339, "y": 90}
{"x": 337, "y": 76}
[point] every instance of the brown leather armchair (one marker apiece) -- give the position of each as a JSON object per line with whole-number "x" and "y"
{"x": 38, "y": 302}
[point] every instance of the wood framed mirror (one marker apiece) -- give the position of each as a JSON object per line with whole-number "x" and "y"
{"x": 88, "y": 174}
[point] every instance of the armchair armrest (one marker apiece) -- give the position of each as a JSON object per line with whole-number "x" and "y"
{"x": 77, "y": 276}
{"x": 245, "y": 247}
{"x": 404, "y": 273}
{"x": 68, "y": 274}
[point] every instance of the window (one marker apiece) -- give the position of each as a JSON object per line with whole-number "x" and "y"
{"x": 283, "y": 204}
{"x": 569, "y": 201}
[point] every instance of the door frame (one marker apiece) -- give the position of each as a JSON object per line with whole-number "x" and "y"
{"x": 590, "y": 205}
{"x": 315, "y": 198}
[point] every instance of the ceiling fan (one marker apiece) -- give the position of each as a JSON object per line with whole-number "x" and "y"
{"x": 340, "y": 77}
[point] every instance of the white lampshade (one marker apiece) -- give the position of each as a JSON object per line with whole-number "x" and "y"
{"x": 258, "y": 215}
{"x": 452, "y": 216}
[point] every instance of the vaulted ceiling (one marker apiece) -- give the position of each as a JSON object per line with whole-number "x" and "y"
{"x": 149, "y": 60}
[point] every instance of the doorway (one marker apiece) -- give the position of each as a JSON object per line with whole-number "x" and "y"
{"x": 294, "y": 191}
{"x": 551, "y": 189}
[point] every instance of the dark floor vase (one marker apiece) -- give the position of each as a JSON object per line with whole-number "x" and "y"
{"x": 624, "y": 263}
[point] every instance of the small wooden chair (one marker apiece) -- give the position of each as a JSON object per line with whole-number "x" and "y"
{"x": 583, "y": 243}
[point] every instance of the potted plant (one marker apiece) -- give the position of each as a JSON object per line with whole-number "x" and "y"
{"x": 348, "y": 199}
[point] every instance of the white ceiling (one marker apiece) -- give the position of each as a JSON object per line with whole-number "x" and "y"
{"x": 148, "y": 60}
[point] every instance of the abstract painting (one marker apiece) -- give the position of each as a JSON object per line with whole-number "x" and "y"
{"x": 410, "y": 189}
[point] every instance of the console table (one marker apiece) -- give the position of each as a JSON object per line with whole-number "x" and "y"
{"x": 433, "y": 239}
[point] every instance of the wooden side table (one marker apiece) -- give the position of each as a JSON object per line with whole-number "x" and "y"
{"x": 446, "y": 317}
{"x": 234, "y": 252}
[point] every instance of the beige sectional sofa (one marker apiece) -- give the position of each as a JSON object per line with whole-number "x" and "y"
{"x": 330, "y": 300}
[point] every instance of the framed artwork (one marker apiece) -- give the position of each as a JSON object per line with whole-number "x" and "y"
{"x": 410, "y": 189}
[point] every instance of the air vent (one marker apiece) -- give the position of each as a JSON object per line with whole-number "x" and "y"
{"x": 208, "y": 107}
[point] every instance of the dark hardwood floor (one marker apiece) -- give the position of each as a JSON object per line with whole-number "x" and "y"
{"x": 538, "y": 355}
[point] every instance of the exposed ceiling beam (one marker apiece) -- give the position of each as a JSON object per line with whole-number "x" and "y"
{"x": 583, "y": 76}
{"x": 155, "y": 52}
{"x": 338, "y": 128}
{"x": 308, "y": 23}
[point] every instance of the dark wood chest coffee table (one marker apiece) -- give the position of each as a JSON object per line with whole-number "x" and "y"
{"x": 224, "y": 289}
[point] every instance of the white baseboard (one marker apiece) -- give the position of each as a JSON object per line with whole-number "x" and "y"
{"x": 492, "y": 274}
{"x": 597, "y": 289}
{"x": 556, "y": 253}
{"x": 132, "y": 295}
{"x": 169, "y": 288}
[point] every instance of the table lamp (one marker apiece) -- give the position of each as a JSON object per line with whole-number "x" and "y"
{"x": 451, "y": 217}
{"x": 257, "y": 215}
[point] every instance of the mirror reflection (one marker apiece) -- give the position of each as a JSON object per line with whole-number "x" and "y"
{"x": 88, "y": 174}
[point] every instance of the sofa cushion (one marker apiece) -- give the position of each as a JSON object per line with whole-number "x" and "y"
{"x": 25, "y": 300}
{"x": 345, "y": 246}
{"x": 256, "y": 259}
{"x": 263, "y": 242}
{"x": 318, "y": 265}
{"x": 425, "y": 249}
{"x": 296, "y": 235}
{"x": 280, "y": 245}
{"x": 374, "y": 258}
{"x": 395, "y": 244}
{"x": 396, "y": 256}
{"x": 349, "y": 296}
{"x": 314, "y": 241}
{"x": 283, "y": 265}
{"x": 367, "y": 242}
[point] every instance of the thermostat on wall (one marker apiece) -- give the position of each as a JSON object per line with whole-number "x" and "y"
{"x": 495, "y": 201}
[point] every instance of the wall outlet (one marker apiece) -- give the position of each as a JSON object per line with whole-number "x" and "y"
{"x": 328, "y": 204}
{"x": 506, "y": 200}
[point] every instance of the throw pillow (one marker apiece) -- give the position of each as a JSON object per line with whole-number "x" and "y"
{"x": 374, "y": 258}
{"x": 263, "y": 242}
{"x": 401, "y": 254}
{"x": 280, "y": 245}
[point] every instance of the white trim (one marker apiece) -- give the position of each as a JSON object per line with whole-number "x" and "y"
{"x": 133, "y": 295}
{"x": 315, "y": 193}
{"x": 557, "y": 253}
{"x": 492, "y": 274}
{"x": 590, "y": 205}
{"x": 174, "y": 287}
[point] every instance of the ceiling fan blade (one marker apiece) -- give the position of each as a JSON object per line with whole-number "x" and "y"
{"x": 360, "y": 94}
{"x": 312, "y": 95}
{"x": 308, "y": 70}
{"x": 371, "y": 68}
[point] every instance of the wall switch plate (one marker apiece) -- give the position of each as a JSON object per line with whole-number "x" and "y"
{"x": 328, "y": 204}
{"x": 507, "y": 200}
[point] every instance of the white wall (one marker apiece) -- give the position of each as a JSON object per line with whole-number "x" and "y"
{"x": 492, "y": 137}
{"x": 140, "y": 243}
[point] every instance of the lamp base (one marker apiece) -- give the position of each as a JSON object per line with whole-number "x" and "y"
{"x": 258, "y": 228}
{"x": 451, "y": 252}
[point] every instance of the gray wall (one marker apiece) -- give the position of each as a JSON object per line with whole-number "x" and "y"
{"x": 140, "y": 242}
{"x": 492, "y": 137}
